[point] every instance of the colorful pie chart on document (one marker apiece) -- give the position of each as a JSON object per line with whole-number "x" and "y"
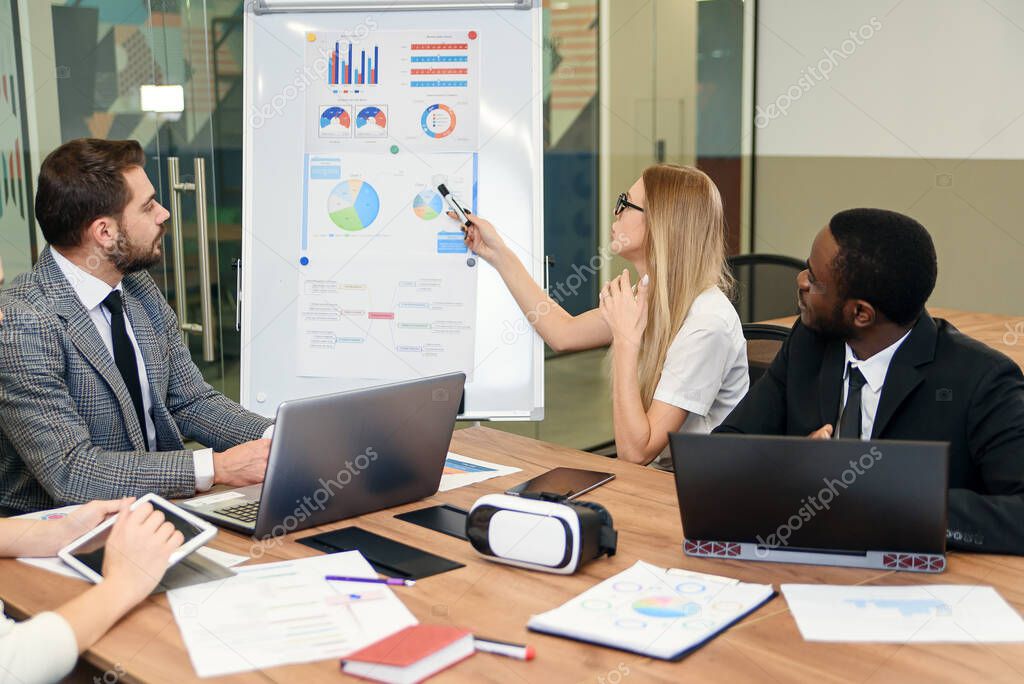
{"x": 353, "y": 205}
{"x": 665, "y": 607}
{"x": 428, "y": 204}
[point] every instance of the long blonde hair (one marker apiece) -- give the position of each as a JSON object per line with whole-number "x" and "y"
{"x": 686, "y": 254}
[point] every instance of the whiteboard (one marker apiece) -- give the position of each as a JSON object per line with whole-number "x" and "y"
{"x": 507, "y": 380}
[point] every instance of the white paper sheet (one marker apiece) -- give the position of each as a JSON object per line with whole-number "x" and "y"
{"x": 399, "y": 320}
{"x": 387, "y": 286}
{"x": 915, "y": 614}
{"x": 462, "y": 471}
{"x": 280, "y": 613}
{"x": 56, "y": 565}
{"x": 417, "y": 92}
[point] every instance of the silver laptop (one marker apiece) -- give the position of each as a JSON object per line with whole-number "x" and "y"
{"x": 866, "y": 504}
{"x": 341, "y": 455}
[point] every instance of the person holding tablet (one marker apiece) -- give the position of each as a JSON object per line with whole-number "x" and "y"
{"x": 46, "y": 647}
{"x": 678, "y": 353}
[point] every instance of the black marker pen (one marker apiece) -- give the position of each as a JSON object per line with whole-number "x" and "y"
{"x": 453, "y": 204}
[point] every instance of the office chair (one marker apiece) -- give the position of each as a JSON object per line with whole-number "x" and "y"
{"x": 763, "y": 343}
{"x": 765, "y": 286}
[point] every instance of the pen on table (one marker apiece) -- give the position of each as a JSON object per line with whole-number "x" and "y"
{"x": 518, "y": 651}
{"x": 393, "y": 581}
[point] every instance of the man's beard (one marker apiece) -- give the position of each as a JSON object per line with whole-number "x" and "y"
{"x": 833, "y": 326}
{"x": 128, "y": 257}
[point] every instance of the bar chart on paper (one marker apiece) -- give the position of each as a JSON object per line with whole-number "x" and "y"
{"x": 344, "y": 68}
{"x": 440, "y": 65}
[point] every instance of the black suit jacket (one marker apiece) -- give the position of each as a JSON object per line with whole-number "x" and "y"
{"x": 941, "y": 386}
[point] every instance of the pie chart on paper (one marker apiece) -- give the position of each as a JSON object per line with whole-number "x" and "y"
{"x": 665, "y": 607}
{"x": 353, "y": 205}
{"x": 428, "y": 204}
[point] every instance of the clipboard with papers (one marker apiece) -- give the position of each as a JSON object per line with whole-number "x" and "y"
{"x": 656, "y": 612}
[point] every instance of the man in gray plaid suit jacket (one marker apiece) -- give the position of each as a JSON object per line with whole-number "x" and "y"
{"x": 97, "y": 389}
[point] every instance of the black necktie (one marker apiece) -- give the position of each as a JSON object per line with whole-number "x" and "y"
{"x": 849, "y": 422}
{"x": 124, "y": 357}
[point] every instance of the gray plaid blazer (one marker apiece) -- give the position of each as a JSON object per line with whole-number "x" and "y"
{"x": 69, "y": 432}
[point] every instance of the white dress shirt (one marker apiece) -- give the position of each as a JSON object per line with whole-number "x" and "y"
{"x": 91, "y": 292}
{"x": 874, "y": 371}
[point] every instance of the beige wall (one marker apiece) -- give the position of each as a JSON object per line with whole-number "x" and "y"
{"x": 973, "y": 210}
{"x": 919, "y": 112}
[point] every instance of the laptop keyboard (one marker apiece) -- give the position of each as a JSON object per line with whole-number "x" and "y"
{"x": 244, "y": 513}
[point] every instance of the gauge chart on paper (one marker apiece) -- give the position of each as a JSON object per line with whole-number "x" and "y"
{"x": 372, "y": 122}
{"x": 353, "y": 205}
{"x": 428, "y": 204}
{"x": 335, "y": 122}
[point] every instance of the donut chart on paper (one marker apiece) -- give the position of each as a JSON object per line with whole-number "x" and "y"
{"x": 353, "y": 205}
{"x": 438, "y": 121}
{"x": 690, "y": 588}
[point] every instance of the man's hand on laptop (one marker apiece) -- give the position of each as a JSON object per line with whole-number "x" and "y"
{"x": 245, "y": 464}
{"x": 824, "y": 432}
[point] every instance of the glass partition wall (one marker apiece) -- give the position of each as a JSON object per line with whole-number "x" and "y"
{"x": 626, "y": 84}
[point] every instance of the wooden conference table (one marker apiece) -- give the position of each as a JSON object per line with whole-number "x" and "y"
{"x": 496, "y": 601}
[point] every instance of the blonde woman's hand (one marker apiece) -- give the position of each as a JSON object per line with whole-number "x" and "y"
{"x": 625, "y": 312}
{"x": 482, "y": 237}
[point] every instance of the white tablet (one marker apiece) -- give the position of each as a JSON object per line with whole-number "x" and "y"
{"x": 85, "y": 554}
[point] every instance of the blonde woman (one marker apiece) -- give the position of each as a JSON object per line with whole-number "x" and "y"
{"x": 679, "y": 358}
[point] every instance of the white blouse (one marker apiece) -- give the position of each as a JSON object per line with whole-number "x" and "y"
{"x": 40, "y": 650}
{"x": 705, "y": 371}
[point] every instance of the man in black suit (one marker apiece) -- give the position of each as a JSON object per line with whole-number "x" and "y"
{"x": 864, "y": 341}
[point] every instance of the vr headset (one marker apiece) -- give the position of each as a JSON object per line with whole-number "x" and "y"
{"x": 540, "y": 531}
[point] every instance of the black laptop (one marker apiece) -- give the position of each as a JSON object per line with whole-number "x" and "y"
{"x": 867, "y": 504}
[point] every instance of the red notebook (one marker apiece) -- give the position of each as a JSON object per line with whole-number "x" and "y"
{"x": 411, "y": 655}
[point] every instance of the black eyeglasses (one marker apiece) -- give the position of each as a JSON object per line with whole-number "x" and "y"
{"x": 622, "y": 202}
